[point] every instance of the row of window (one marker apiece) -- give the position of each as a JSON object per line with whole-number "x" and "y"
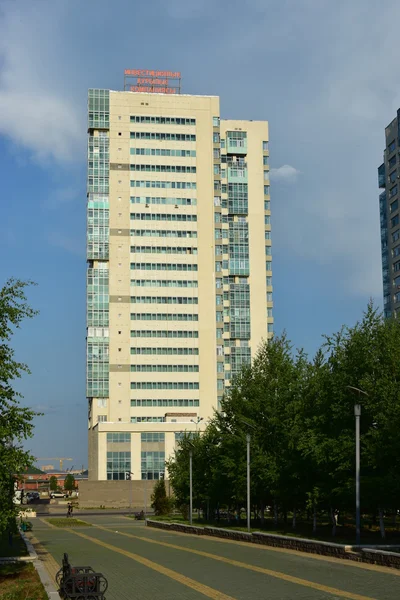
{"x": 162, "y": 120}
{"x": 156, "y": 183}
{"x": 166, "y": 351}
{"x": 165, "y": 233}
{"x": 180, "y": 283}
{"x": 152, "y": 438}
{"x": 163, "y": 152}
{"x": 163, "y": 201}
{"x": 164, "y": 168}
{"x": 162, "y": 217}
{"x": 165, "y": 385}
{"x": 173, "y": 137}
{"x": 163, "y": 250}
{"x": 163, "y": 267}
{"x": 148, "y": 333}
{"x": 163, "y": 317}
{"x": 147, "y": 419}
{"x": 164, "y": 368}
{"x": 163, "y": 300}
{"x": 165, "y": 402}
{"x": 118, "y": 437}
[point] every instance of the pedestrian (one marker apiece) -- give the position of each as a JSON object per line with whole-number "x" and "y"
{"x": 69, "y": 511}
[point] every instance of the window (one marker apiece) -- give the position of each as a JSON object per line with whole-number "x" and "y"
{"x": 396, "y": 266}
{"x": 215, "y": 121}
{"x": 266, "y": 190}
{"x": 267, "y": 205}
{"x": 270, "y": 328}
{"x": 392, "y": 161}
{"x": 392, "y": 146}
{"x": 222, "y": 143}
{"x": 268, "y": 265}
{"x": 162, "y": 120}
{"x": 396, "y": 251}
{"x": 393, "y": 191}
{"x": 395, "y": 221}
{"x": 265, "y": 146}
{"x": 396, "y": 236}
{"x": 164, "y": 402}
{"x": 265, "y": 160}
{"x": 148, "y": 333}
{"x": 216, "y": 137}
{"x": 165, "y": 385}
{"x": 118, "y": 438}
{"x": 152, "y": 464}
{"x": 392, "y": 176}
{"x": 118, "y": 464}
{"x": 101, "y": 418}
{"x": 164, "y": 317}
{"x": 269, "y": 296}
{"x": 175, "y": 137}
{"x": 394, "y": 206}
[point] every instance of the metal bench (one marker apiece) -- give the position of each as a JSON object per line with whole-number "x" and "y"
{"x": 80, "y": 583}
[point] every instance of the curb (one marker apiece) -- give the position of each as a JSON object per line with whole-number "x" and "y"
{"x": 48, "y": 584}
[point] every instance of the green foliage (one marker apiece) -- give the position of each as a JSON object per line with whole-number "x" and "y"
{"x": 16, "y": 422}
{"x": 53, "y": 483}
{"x": 69, "y": 483}
{"x": 159, "y": 499}
{"x": 300, "y": 415}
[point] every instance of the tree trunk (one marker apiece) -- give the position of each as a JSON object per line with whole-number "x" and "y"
{"x": 314, "y": 526}
{"x": 275, "y": 514}
{"x": 262, "y": 507}
{"x": 294, "y": 518}
{"x": 382, "y": 524}
{"x": 285, "y": 516}
{"x": 333, "y": 519}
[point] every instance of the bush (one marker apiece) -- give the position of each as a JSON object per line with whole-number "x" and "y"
{"x": 159, "y": 499}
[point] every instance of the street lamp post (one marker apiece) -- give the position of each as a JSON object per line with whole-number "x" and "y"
{"x": 145, "y": 494}
{"x": 248, "y": 438}
{"x": 197, "y": 421}
{"x": 191, "y": 487}
{"x": 357, "y": 414}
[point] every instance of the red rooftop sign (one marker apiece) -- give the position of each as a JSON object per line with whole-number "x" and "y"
{"x": 151, "y": 81}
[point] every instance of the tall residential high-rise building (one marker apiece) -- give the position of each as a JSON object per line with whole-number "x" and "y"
{"x": 179, "y": 282}
{"x": 388, "y": 177}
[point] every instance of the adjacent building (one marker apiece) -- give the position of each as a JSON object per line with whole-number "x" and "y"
{"x": 179, "y": 278}
{"x": 389, "y": 182}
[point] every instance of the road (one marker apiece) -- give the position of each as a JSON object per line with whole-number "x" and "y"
{"x": 152, "y": 564}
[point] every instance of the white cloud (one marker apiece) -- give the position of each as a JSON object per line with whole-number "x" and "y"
{"x": 284, "y": 173}
{"x": 36, "y": 110}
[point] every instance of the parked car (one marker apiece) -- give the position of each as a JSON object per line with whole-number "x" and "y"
{"x": 32, "y": 496}
{"x": 58, "y": 495}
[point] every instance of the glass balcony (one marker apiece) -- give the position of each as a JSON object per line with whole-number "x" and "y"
{"x": 382, "y": 176}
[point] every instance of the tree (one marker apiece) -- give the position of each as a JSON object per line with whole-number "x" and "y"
{"x": 159, "y": 499}
{"x": 53, "y": 483}
{"x": 69, "y": 483}
{"x": 16, "y": 422}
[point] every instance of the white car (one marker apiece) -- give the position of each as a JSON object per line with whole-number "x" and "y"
{"x": 58, "y": 495}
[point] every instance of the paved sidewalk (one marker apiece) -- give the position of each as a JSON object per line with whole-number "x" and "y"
{"x": 146, "y": 563}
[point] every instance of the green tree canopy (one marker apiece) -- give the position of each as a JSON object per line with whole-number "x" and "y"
{"x": 69, "y": 482}
{"x": 16, "y": 422}
{"x": 300, "y": 416}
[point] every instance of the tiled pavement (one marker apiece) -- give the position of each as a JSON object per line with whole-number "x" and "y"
{"x": 147, "y": 563}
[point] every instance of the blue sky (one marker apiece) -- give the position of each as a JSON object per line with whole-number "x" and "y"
{"x": 322, "y": 73}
